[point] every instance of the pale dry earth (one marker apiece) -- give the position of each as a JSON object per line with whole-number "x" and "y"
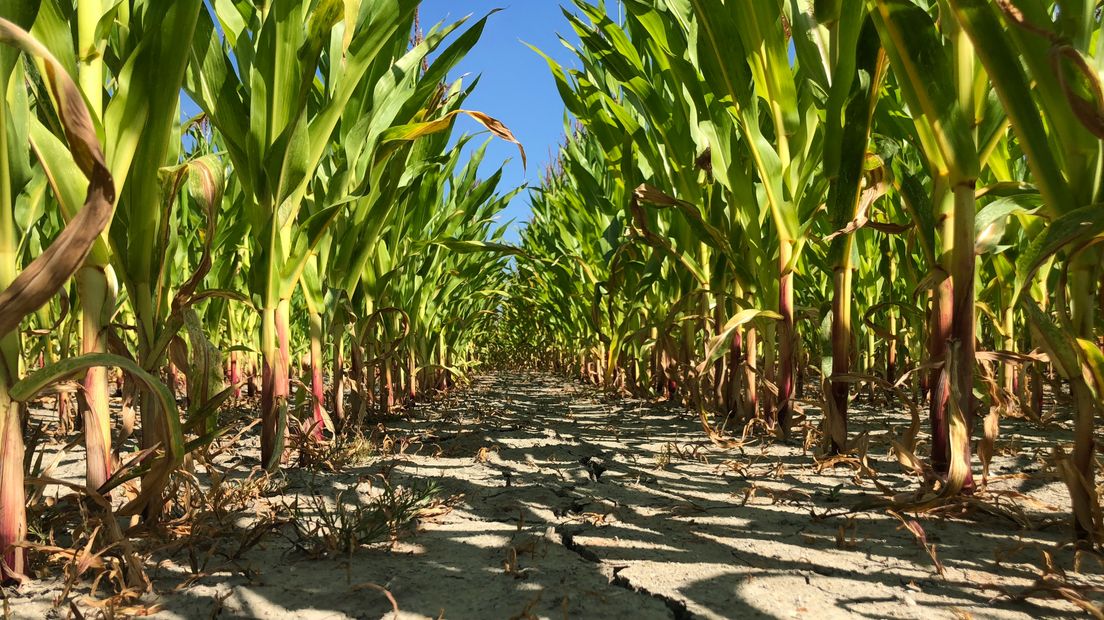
{"x": 674, "y": 527}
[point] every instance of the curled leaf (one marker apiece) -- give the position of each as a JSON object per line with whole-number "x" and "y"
{"x": 413, "y": 131}
{"x": 50, "y": 270}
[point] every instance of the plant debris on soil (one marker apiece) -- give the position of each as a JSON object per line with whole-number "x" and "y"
{"x": 528, "y": 496}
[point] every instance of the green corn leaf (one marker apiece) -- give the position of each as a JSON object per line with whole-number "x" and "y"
{"x": 1059, "y": 345}
{"x": 1071, "y": 229}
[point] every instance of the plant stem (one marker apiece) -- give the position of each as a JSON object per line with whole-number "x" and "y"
{"x": 318, "y": 388}
{"x": 275, "y": 388}
{"x": 786, "y": 338}
{"x": 13, "y": 516}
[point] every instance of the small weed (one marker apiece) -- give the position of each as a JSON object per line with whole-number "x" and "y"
{"x": 689, "y": 453}
{"x": 324, "y": 526}
{"x": 346, "y": 450}
{"x": 485, "y": 454}
{"x": 663, "y": 459}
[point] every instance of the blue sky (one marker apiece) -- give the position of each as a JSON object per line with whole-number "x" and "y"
{"x": 516, "y": 86}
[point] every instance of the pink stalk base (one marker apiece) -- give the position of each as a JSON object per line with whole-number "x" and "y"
{"x": 13, "y": 516}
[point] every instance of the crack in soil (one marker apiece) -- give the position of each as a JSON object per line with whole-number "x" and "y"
{"x": 678, "y": 608}
{"x": 568, "y": 540}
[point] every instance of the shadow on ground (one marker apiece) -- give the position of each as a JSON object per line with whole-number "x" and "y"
{"x": 571, "y": 506}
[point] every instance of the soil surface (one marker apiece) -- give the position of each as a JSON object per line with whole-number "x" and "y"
{"x": 554, "y": 501}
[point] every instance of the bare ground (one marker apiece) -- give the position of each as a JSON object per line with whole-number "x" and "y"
{"x": 568, "y": 505}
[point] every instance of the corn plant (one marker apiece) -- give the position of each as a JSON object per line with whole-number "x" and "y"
{"x": 321, "y": 125}
{"x": 1057, "y": 128}
{"x": 900, "y": 194}
{"x": 27, "y": 287}
{"x": 710, "y": 170}
{"x": 279, "y": 50}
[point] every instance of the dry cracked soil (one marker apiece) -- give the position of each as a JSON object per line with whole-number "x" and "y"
{"x": 565, "y": 504}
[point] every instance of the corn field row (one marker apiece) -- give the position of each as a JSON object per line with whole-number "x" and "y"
{"x": 317, "y": 219}
{"x": 893, "y": 195}
{"x": 758, "y": 205}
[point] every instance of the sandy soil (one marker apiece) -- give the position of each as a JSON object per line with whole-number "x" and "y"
{"x": 568, "y": 505}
